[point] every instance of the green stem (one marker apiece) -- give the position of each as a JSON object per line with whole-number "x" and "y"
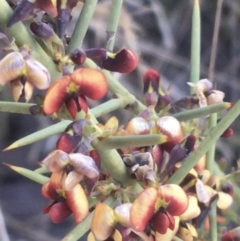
{"x": 34, "y": 176}
{"x": 15, "y": 107}
{"x": 39, "y": 135}
{"x": 82, "y": 25}
{"x": 205, "y": 145}
{"x": 84, "y": 226}
{"x": 119, "y": 142}
{"x": 107, "y": 107}
{"x": 22, "y": 37}
{"x": 211, "y": 153}
{"x": 200, "y": 112}
{"x": 195, "y": 44}
{"x": 113, "y": 23}
{"x": 210, "y": 166}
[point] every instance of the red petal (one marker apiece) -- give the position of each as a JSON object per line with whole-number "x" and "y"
{"x": 59, "y": 211}
{"x": 92, "y": 82}
{"x": 56, "y": 95}
{"x": 83, "y": 103}
{"x": 72, "y": 107}
{"x": 67, "y": 142}
{"x": 160, "y": 222}
{"x": 77, "y": 202}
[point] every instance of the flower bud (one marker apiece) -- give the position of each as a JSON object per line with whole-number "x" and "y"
{"x": 63, "y": 19}
{"x": 42, "y": 30}
{"x": 78, "y": 56}
{"x": 23, "y": 11}
{"x": 170, "y": 127}
{"x": 137, "y": 126}
{"x": 124, "y": 61}
{"x": 227, "y": 133}
{"x": 150, "y": 87}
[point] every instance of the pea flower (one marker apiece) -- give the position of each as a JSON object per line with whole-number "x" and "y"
{"x": 65, "y": 200}
{"x": 72, "y": 89}
{"x": 160, "y": 208}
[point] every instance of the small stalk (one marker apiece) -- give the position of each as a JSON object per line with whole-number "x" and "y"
{"x": 82, "y": 25}
{"x": 195, "y": 44}
{"x": 205, "y": 145}
{"x": 113, "y": 23}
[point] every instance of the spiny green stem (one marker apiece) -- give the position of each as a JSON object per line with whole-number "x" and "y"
{"x": 39, "y": 135}
{"x": 107, "y": 107}
{"x": 200, "y": 112}
{"x": 82, "y": 25}
{"x": 118, "y": 142}
{"x": 113, "y": 23}
{"x": 36, "y": 177}
{"x": 195, "y": 44}
{"x": 15, "y": 107}
{"x": 205, "y": 145}
{"x": 211, "y": 153}
{"x": 84, "y": 226}
{"x": 22, "y": 37}
{"x": 59, "y": 127}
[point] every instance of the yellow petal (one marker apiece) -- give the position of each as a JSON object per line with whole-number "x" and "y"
{"x": 16, "y": 89}
{"x": 28, "y": 91}
{"x": 193, "y": 209}
{"x": 122, "y": 214}
{"x": 103, "y": 222}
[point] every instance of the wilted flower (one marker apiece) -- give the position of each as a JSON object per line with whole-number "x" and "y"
{"x": 23, "y": 73}
{"x": 72, "y": 90}
{"x": 82, "y": 165}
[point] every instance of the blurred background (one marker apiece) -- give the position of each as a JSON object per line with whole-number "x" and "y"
{"x": 159, "y": 31}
